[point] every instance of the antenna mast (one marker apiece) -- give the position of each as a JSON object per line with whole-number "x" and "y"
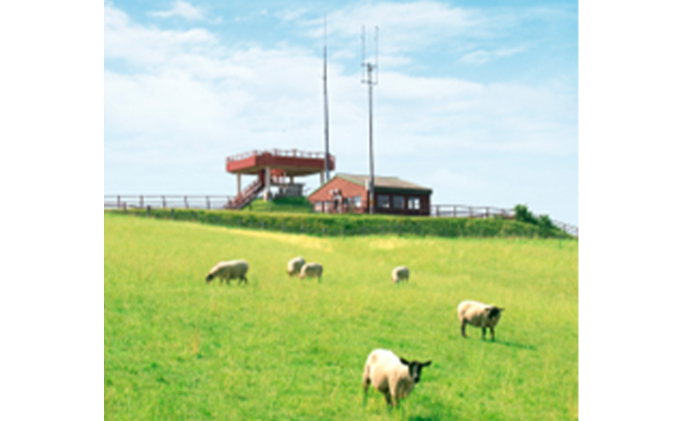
{"x": 368, "y": 79}
{"x": 325, "y": 98}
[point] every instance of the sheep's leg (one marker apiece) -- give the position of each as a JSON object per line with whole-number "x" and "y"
{"x": 493, "y": 334}
{"x": 388, "y": 399}
{"x": 395, "y": 401}
{"x": 462, "y": 328}
{"x": 483, "y": 332}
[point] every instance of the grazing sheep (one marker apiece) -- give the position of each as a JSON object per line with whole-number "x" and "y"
{"x": 390, "y": 375}
{"x": 227, "y": 271}
{"x": 400, "y": 273}
{"x": 294, "y": 266}
{"x": 478, "y": 315}
{"x": 311, "y": 270}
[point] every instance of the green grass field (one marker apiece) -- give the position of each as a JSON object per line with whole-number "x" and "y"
{"x": 282, "y": 348}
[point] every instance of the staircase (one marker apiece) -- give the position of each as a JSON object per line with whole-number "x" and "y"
{"x": 248, "y": 194}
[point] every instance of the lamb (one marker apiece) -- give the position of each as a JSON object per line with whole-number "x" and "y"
{"x": 311, "y": 270}
{"x": 294, "y": 266}
{"x": 227, "y": 271}
{"x": 478, "y": 315}
{"x": 400, "y": 273}
{"x": 390, "y": 375}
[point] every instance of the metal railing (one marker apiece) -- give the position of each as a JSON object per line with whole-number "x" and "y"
{"x": 288, "y": 153}
{"x": 232, "y": 202}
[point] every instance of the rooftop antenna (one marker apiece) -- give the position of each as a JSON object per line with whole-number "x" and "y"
{"x": 325, "y": 99}
{"x": 368, "y": 78}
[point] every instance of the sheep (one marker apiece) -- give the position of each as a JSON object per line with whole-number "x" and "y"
{"x": 311, "y": 270}
{"x": 227, "y": 271}
{"x": 400, "y": 273}
{"x": 479, "y": 315}
{"x": 294, "y": 266}
{"x": 391, "y": 375}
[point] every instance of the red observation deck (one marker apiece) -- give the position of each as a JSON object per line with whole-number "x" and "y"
{"x": 290, "y": 163}
{"x": 272, "y": 168}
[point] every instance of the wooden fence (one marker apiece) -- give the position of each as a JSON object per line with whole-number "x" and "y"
{"x": 223, "y": 202}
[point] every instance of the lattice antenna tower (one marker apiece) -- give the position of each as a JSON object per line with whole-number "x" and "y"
{"x": 368, "y": 78}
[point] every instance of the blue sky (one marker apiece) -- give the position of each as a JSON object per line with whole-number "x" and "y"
{"x": 477, "y": 101}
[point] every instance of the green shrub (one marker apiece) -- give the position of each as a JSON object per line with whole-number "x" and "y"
{"x": 356, "y": 224}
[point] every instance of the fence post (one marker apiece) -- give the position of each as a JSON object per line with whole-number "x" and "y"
{"x": 172, "y": 213}
{"x": 323, "y": 231}
{"x": 302, "y": 228}
{"x": 148, "y": 210}
{"x": 163, "y": 200}
{"x": 207, "y": 201}
{"x": 186, "y": 202}
{"x": 487, "y": 211}
{"x": 283, "y": 227}
{"x": 239, "y": 222}
{"x": 141, "y": 201}
{"x": 118, "y": 202}
{"x": 454, "y": 210}
{"x": 124, "y": 207}
{"x": 262, "y": 225}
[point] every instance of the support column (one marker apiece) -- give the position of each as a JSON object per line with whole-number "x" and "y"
{"x": 267, "y": 183}
{"x": 238, "y": 184}
{"x": 322, "y": 178}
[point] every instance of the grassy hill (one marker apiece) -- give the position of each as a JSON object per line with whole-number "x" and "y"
{"x": 284, "y": 348}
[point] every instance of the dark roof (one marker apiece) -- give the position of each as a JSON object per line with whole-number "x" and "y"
{"x": 384, "y": 183}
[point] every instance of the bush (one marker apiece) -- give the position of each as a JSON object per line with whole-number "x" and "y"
{"x": 354, "y": 224}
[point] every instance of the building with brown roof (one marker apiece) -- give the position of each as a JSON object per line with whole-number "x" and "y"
{"x": 348, "y": 193}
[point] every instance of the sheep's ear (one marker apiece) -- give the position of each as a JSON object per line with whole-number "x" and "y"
{"x": 426, "y": 363}
{"x": 403, "y": 361}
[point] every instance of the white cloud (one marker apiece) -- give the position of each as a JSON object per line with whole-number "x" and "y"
{"x": 482, "y": 57}
{"x": 181, "y": 9}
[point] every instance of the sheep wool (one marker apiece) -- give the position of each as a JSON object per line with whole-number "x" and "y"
{"x": 479, "y": 315}
{"x": 400, "y": 273}
{"x": 390, "y": 375}
{"x": 311, "y": 270}
{"x": 294, "y": 266}
{"x": 226, "y": 271}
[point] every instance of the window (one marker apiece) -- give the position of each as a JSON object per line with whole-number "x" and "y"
{"x": 414, "y": 203}
{"x": 398, "y": 202}
{"x": 383, "y": 201}
{"x": 357, "y": 201}
{"x": 318, "y": 207}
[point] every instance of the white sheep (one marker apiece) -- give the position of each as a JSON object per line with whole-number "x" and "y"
{"x": 294, "y": 266}
{"x": 400, "y": 273}
{"x": 311, "y": 270}
{"x": 391, "y": 375}
{"x": 478, "y": 315}
{"x": 227, "y": 271}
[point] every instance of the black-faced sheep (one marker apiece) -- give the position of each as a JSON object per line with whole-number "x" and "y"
{"x": 311, "y": 270}
{"x": 390, "y": 375}
{"x": 294, "y": 266}
{"x": 479, "y": 315}
{"x": 226, "y": 271}
{"x": 400, "y": 273}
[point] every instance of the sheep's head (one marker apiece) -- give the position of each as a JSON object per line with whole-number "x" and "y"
{"x": 493, "y": 313}
{"x": 414, "y": 368}
{"x": 209, "y": 278}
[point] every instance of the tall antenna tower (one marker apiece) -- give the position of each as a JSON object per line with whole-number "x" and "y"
{"x": 368, "y": 78}
{"x": 325, "y": 99}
